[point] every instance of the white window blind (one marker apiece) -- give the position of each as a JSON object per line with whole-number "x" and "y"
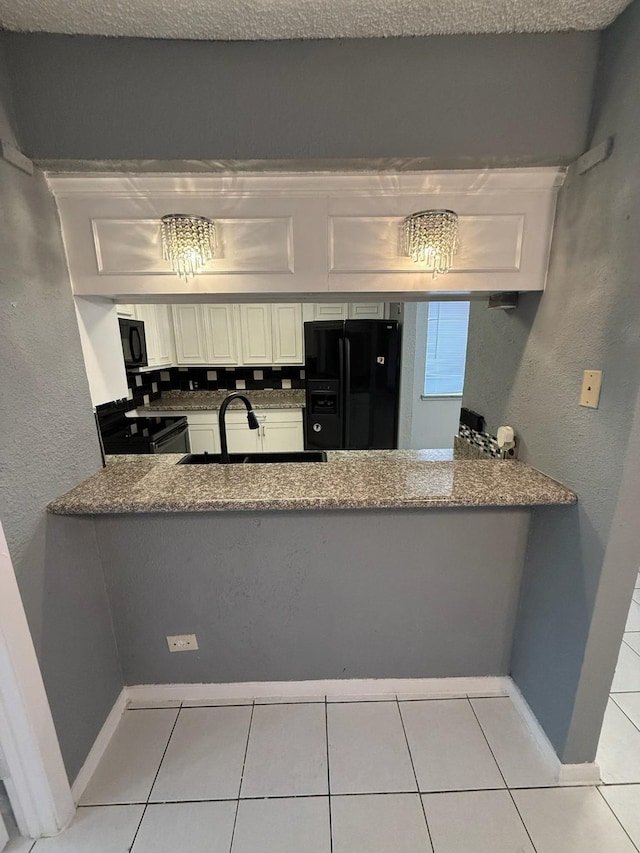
{"x": 447, "y": 329}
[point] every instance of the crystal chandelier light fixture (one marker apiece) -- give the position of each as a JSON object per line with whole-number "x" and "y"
{"x": 188, "y": 242}
{"x": 430, "y": 237}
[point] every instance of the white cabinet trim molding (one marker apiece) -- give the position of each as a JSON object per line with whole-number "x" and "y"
{"x": 305, "y": 234}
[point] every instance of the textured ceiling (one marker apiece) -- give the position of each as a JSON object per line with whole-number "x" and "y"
{"x": 292, "y": 19}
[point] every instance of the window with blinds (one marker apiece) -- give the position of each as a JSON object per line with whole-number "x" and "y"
{"x": 447, "y": 330}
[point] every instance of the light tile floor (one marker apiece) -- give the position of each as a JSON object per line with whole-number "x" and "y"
{"x": 408, "y": 775}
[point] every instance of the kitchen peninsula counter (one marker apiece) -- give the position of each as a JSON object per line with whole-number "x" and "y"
{"x": 208, "y": 401}
{"x": 375, "y": 564}
{"x": 355, "y": 480}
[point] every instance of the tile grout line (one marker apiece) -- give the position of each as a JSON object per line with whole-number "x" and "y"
{"x": 624, "y": 642}
{"x": 609, "y": 806}
{"x": 244, "y": 762}
{"x": 507, "y": 788}
{"x": 146, "y": 805}
{"x": 326, "y": 734}
{"x": 636, "y": 727}
{"x": 415, "y": 775}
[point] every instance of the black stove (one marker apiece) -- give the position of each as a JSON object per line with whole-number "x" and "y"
{"x": 121, "y": 434}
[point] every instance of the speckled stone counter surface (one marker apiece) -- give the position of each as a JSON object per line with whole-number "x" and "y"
{"x": 370, "y": 479}
{"x": 188, "y": 401}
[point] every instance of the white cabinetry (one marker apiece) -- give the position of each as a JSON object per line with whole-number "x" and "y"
{"x": 253, "y": 334}
{"x": 221, "y": 324}
{"x": 288, "y": 346}
{"x": 330, "y": 311}
{"x": 345, "y": 311}
{"x": 256, "y": 334}
{"x": 203, "y": 433}
{"x": 280, "y": 430}
{"x": 191, "y": 339}
{"x": 366, "y": 310}
{"x": 157, "y": 329}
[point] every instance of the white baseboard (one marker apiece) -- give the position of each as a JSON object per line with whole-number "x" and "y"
{"x": 566, "y": 774}
{"x": 352, "y": 688}
{"x": 101, "y": 743}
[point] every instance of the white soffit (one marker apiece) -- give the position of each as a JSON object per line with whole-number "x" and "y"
{"x": 304, "y": 19}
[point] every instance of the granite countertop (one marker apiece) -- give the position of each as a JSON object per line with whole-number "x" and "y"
{"x": 369, "y": 479}
{"x": 188, "y": 401}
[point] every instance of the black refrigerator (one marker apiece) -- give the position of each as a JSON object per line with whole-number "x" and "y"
{"x": 352, "y": 371}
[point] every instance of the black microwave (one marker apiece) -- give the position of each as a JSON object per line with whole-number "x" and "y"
{"x": 134, "y": 343}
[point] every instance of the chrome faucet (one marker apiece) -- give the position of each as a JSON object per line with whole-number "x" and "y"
{"x": 251, "y": 418}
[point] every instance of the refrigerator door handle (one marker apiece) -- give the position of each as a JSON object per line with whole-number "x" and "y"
{"x": 347, "y": 393}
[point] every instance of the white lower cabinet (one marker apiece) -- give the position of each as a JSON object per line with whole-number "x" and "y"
{"x": 280, "y": 430}
{"x": 204, "y": 438}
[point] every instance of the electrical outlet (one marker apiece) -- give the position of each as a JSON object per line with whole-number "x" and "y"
{"x": 182, "y": 643}
{"x": 590, "y": 393}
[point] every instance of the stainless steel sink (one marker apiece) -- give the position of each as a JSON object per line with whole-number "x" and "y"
{"x": 255, "y": 458}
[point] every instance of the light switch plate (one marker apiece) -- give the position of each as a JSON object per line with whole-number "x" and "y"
{"x": 590, "y": 393}
{"x": 182, "y": 643}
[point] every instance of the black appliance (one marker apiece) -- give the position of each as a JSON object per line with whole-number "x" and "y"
{"x": 134, "y": 343}
{"x": 352, "y": 372}
{"x": 121, "y": 434}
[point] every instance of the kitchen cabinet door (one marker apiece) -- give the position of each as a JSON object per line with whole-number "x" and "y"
{"x": 282, "y": 436}
{"x": 241, "y": 439}
{"x": 221, "y": 324}
{"x": 204, "y": 438}
{"x": 256, "y": 334}
{"x": 157, "y": 334}
{"x": 190, "y": 334}
{"x": 366, "y": 311}
{"x": 330, "y": 311}
{"x": 287, "y": 333}
{"x": 126, "y": 311}
{"x": 165, "y": 353}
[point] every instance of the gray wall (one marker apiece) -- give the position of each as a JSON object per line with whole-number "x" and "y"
{"x": 48, "y": 444}
{"x": 312, "y": 595}
{"x": 525, "y": 369}
{"x": 467, "y": 100}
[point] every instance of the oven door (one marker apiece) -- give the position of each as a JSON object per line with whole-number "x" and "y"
{"x": 176, "y": 442}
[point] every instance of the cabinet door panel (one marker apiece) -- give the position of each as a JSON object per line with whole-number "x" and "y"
{"x": 241, "y": 439}
{"x": 279, "y": 437}
{"x": 287, "y": 334}
{"x": 191, "y": 341}
{"x": 366, "y": 311}
{"x": 255, "y": 325}
{"x": 204, "y": 438}
{"x": 330, "y": 311}
{"x": 165, "y": 353}
{"x": 222, "y": 333}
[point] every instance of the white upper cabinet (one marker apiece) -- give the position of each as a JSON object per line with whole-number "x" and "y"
{"x": 157, "y": 328}
{"x": 288, "y": 346}
{"x": 306, "y": 233}
{"x": 190, "y": 333}
{"x": 221, "y": 324}
{"x": 256, "y": 334}
{"x": 366, "y": 311}
{"x": 330, "y": 311}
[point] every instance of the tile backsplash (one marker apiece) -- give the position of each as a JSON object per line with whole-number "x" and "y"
{"x": 145, "y": 387}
